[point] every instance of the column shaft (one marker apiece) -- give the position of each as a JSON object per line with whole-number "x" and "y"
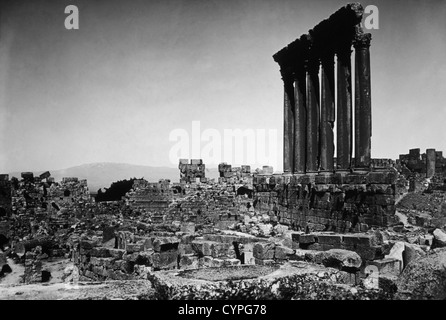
{"x": 288, "y": 126}
{"x": 344, "y": 111}
{"x": 300, "y": 122}
{"x": 313, "y": 115}
{"x": 363, "y": 110}
{"x": 327, "y": 114}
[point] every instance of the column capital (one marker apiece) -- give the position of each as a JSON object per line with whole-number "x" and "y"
{"x": 287, "y": 76}
{"x": 362, "y": 40}
{"x": 327, "y": 58}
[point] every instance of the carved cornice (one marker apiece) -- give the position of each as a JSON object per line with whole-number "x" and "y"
{"x": 331, "y": 36}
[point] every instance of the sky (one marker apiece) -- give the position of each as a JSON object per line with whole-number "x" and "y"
{"x": 136, "y": 71}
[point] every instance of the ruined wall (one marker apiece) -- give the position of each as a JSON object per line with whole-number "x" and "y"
{"x": 150, "y": 197}
{"x": 328, "y": 202}
{"x": 134, "y": 255}
{"x": 190, "y": 172}
{"x": 429, "y": 164}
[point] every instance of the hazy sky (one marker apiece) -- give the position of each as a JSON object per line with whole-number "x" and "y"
{"x": 113, "y": 90}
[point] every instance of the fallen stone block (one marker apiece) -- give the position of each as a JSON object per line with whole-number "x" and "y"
{"x": 188, "y": 227}
{"x": 306, "y": 239}
{"x": 396, "y": 252}
{"x": 189, "y": 262}
{"x": 45, "y": 175}
{"x": 425, "y": 278}
{"x": 314, "y": 246}
{"x": 264, "y": 250}
{"x": 314, "y": 256}
{"x": 184, "y": 249}
{"x": 387, "y": 266}
{"x": 125, "y": 266}
{"x": 283, "y": 253}
{"x": 219, "y": 250}
{"x": 202, "y": 247}
{"x": 217, "y": 263}
{"x": 334, "y": 240}
{"x": 145, "y": 258}
{"x": 165, "y": 260}
{"x": 411, "y": 253}
{"x": 439, "y": 240}
{"x": 100, "y": 252}
{"x": 342, "y": 259}
{"x": 165, "y": 244}
{"x": 116, "y": 253}
{"x": 205, "y": 262}
{"x": 134, "y": 247}
{"x": 362, "y": 240}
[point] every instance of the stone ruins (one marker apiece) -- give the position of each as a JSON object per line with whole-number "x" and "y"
{"x": 328, "y": 227}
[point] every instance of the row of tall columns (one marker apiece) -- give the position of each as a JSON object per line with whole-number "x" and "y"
{"x": 310, "y": 113}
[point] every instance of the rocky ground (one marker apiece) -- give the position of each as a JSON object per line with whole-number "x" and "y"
{"x": 114, "y": 290}
{"x": 418, "y": 241}
{"x": 12, "y": 288}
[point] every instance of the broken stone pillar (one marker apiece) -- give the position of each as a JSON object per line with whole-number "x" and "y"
{"x": 327, "y": 113}
{"x": 363, "y": 110}
{"x": 344, "y": 106}
{"x": 313, "y": 113}
{"x": 430, "y": 162}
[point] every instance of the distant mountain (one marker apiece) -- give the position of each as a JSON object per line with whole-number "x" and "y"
{"x": 101, "y": 175}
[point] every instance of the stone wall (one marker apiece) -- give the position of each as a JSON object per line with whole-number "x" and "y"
{"x": 328, "y": 202}
{"x": 428, "y": 164}
{"x": 150, "y": 197}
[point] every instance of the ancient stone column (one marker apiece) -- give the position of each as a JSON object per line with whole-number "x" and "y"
{"x": 288, "y": 123}
{"x": 430, "y": 162}
{"x": 363, "y": 110}
{"x": 300, "y": 121}
{"x": 283, "y": 59}
{"x": 344, "y": 107}
{"x": 313, "y": 114}
{"x": 327, "y": 113}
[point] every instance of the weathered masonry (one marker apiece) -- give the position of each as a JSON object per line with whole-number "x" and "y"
{"x": 310, "y": 111}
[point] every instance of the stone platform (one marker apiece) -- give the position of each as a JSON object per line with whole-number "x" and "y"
{"x": 341, "y": 202}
